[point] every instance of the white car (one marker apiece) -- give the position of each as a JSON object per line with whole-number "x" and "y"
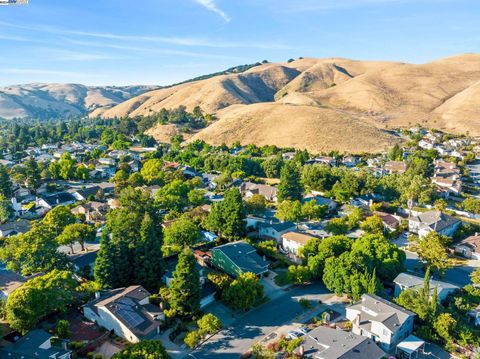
{"x": 294, "y": 334}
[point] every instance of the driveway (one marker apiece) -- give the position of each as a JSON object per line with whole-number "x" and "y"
{"x": 252, "y": 327}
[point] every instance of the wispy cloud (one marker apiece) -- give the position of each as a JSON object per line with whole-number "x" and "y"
{"x": 212, "y": 6}
{"x": 152, "y": 50}
{"x": 179, "y": 41}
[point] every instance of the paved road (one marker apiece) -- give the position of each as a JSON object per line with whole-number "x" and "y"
{"x": 459, "y": 275}
{"x": 240, "y": 336}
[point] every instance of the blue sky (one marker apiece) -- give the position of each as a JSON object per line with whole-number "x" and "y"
{"x": 118, "y": 42}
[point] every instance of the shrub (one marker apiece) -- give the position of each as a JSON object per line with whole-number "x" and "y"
{"x": 193, "y": 338}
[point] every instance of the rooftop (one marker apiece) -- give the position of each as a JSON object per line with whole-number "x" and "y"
{"x": 327, "y": 343}
{"x": 244, "y": 256}
{"x": 373, "y": 308}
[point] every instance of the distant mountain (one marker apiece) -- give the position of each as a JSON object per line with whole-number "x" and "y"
{"x": 43, "y": 101}
{"x": 324, "y": 104}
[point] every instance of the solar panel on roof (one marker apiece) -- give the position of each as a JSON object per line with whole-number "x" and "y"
{"x": 132, "y": 318}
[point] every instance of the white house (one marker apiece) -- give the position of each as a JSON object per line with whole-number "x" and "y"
{"x": 292, "y": 242}
{"x": 127, "y": 312}
{"x": 433, "y": 221}
{"x": 275, "y": 230}
{"x": 377, "y": 318}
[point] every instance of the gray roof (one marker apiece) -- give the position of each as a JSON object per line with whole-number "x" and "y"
{"x": 29, "y": 347}
{"x": 123, "y": 304}
{"x": 279, "y": 227}
{"x": 413, "y": 281}
{"x": 244, "y": 256}
{"x": 381, "y": 310}
{"x": 327, "y": 343}
{"x": 436, "y": 220}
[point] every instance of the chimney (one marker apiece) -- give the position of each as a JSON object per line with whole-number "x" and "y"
{"x": 357, "y": 320}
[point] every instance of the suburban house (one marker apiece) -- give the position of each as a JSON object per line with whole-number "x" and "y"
{"x": 447, "y": 178}
{"x": 409, "y": 281}
{"x": 321, "y": 201}
{"x": 327, "y": 343}
{"x": 36, "y": 344}
{"x": 84, "y": 262}
{"x": 399, "y": 167}
{"x": 93, "y": 211}
{"x": 385, "y": 322}
{"x": 127, "y": 312}
{"x": 248, "y": 189}
{"x": 275, "y": 230}
{"x": 350, "y": 161}
{"x": 433, "y": 221}
{"x": 324, "y": 160}
{"x": 390, "y": 221}
{"x": 293, "y": 241}
{"x": 85, "y": 193}
{"x": 469, "y": 247}
{"x": 14, "y": 228}
{"x": 58, "y": 199}
{"x": 9, "y": 281}
{"x": 237, "y": 258}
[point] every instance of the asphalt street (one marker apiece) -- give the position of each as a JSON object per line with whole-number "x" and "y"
{"x": 244, "y": 332}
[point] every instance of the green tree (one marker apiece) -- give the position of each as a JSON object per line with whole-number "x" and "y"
{"x": 373, "y": 225}
{"x": 433, "y": 250}
{"x": 33, "y": 252}
{"x": 6, "y": 188}
{"x": 471, "y": 204}
{"x": 209, "y": 324}
{"x": 298, "y": 274}
{"x": 63, "y": 329}
{"x": 54, "y": 169}
{"x": 475, "y": 276}
{"x": 67, "y": 166}
{"x": 317, "y": 177}
{"x": 40, "y": 296}
{"x": 256, "y": 204}
{"x": 193, "y": 338}
{"x": 244, "y": 291}
{"x": 5, "y": 209}
{"x": 395, "y": 153}
{"x": 227, "y": 218}
{"x": 289, "y": 211}
{"x": 76, "y": 233}
{"x": 290, "y": 187}
{"x": 122, "y": 241}
{"x": 152, "y": 172}
{"x": 183, "y": 232}
{"x": 445, "y": 325}
{"x": 320, "y": 250}
{"x": 148, "y": 261}
{"x": 173, "y": 196}
{"x": 58, "y": 218}
{"x": 185, "y": 290}
{"x": 312, "y": 210}
{"x": 377, "y": 252}
{"x": 337, "y": 226}
{"x": 32, "y": 173}
{"x": 440, "y": 204}
{"x": 146, "y": 349}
